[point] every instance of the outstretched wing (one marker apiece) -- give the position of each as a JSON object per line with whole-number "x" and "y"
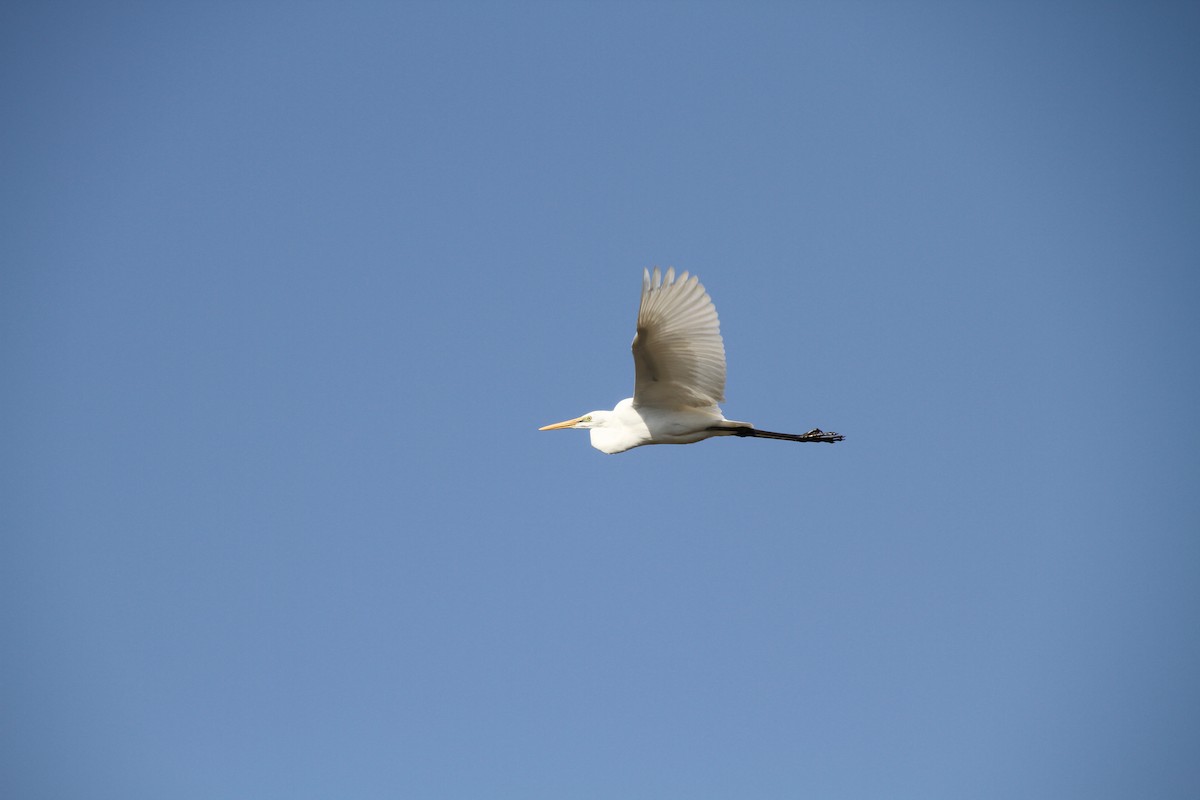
{"x": 678, "y": 355}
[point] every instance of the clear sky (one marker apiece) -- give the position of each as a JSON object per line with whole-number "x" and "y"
{"x": 288, "y": 288}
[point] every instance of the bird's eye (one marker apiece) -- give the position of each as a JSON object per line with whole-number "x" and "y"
{"x": 588, "y": 418}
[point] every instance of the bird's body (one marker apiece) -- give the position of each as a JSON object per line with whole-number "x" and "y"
{"x": 629, "y": 425}
{"x": 679, "y": 366}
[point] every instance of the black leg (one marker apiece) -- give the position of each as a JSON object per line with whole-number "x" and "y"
{"x": 815, "y": 435}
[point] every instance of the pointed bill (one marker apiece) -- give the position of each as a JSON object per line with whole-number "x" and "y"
{"x": 568, "y": 424}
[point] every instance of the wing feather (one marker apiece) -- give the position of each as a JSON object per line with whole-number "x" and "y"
{"x": 678, "y": 354}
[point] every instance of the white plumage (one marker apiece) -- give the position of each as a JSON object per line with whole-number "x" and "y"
{"x": 679, "y": 369}
{"x": 678, "y": 355}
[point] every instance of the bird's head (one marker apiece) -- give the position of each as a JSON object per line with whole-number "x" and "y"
{"x": 594, "y": 419}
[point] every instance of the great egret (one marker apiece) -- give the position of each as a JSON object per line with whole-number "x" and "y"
{"x": 679, "y": 367}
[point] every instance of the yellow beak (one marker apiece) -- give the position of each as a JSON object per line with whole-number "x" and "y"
{"x": 568, "y": 424}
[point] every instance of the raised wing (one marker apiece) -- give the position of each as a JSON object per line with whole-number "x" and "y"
{"x": 678, "y": 355}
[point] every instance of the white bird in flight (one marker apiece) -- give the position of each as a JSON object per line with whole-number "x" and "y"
{"x": 679, "y": 364}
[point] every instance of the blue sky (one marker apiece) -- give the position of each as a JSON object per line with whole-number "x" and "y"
{"x": 287, "y": 290}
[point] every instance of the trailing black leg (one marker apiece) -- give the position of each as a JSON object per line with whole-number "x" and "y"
{"x": 815, "y": 435}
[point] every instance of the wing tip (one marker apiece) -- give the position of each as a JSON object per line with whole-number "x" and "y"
{"x": 655, "y": 278}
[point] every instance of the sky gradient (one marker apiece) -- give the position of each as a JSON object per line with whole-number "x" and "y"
{"x": 287, "y": 290}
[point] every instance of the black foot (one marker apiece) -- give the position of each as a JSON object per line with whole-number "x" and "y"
{"x": 818, "y": 435}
